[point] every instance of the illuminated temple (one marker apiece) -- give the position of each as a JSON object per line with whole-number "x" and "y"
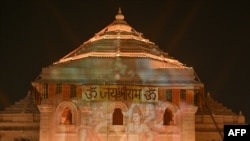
{"x": 117, "y": 86}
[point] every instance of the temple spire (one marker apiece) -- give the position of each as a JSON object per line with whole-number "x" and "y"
{"x": 119, "y": 15}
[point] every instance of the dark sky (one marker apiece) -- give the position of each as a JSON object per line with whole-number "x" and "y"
{"x": 213, "y": 37}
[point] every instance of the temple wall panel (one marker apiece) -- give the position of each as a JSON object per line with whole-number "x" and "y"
{"x": 190, "y": 96}
{"x": 79, "y": 91}
{"x": 176, "y": 96}
{"x": 51, "y": 89}
{"x": 161, "y": 94}
{"x": 65, "y": 91}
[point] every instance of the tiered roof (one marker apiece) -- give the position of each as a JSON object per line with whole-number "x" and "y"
{"x": 24, "y": 106}
{"x": 119, "y": 39}
{"x": 118, "y": 54}
{"x": 214, "y": 107}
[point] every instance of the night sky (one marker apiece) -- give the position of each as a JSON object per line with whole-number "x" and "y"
{"x": 213, "y": 37}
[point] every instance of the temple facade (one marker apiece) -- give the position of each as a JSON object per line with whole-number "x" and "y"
{"x": 120, "y": 86}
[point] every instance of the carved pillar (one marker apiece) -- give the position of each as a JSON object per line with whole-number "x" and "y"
{"x": 188, "y": 122}
{"x": 84, "y": 123}
{"x": 45, "y": 120}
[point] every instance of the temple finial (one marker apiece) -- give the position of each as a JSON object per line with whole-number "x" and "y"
{"x": 120, "y": 11}
{"x": 119, "y": 15}
{"x": 240, "y": 113}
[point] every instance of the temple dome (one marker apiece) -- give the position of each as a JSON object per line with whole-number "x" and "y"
{"x": 118, "y": 54}
{"x": 118, "y": 39}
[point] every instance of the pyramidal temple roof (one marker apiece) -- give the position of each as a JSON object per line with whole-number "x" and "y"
{"x": 119, "y": 39}
{"x": 215, "y": 107}
{"x": 118, "y": 54}
{"x": 25, "y": 105}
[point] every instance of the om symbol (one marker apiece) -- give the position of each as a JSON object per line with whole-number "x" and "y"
{"x": 91, "y": 92}
{"x": 150, "y": 94}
